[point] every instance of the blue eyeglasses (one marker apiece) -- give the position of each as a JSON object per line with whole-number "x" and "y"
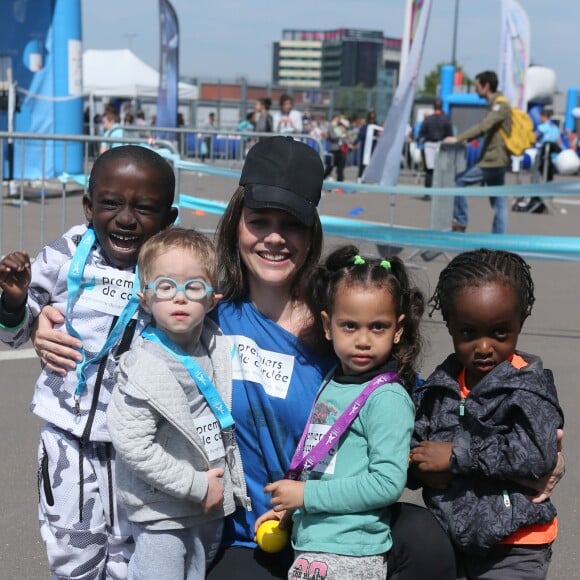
{"x": 167, "y": 288}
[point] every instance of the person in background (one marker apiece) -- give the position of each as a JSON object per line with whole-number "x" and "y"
{"x": 247, "y": 123}
{"x": 111, "y": 128}
{"x": 264, "y": 119}
{"x": 206, "y": 147}
{"x": 289, "y": 120}
{"x": 245, "y": 126}
{"x": 141, "y": 122}
{"x": 494, "y": 157}
{"x": 336, "y": 139}
{"x": 363, "y": 133}
{"x": 434, "y": 129}
{"x": 548, "y": 145}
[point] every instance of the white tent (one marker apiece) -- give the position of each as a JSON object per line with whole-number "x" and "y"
{"x": 120, "y": 73}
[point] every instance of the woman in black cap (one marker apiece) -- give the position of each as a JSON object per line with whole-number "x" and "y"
{"x": 268, "y": 241}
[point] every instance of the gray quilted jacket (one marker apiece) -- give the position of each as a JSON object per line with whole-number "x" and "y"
{"x": 504, "y": 429}
{"x": 161, "y": 458}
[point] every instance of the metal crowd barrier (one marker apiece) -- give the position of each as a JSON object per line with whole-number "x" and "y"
{"x": 450, "y": 160}
{"x": 57, "y": 172}
{"x": 215, "y": 145}
{"x": 19, "y": 192}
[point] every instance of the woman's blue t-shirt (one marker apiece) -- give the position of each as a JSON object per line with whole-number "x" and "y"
{"x": 275, "y": 380}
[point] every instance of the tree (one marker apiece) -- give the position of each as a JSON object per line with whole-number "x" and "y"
{"x": 352, "y": 101}
{"x": 431, "y": 80}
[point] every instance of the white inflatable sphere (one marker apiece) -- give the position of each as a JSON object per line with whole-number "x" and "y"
{"x": 567, "y": 162}
{"x": 540, "y": 82}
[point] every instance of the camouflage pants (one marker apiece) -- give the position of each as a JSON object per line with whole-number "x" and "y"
{"x": 86, "y": 535}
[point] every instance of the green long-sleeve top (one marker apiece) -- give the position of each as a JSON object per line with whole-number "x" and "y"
{"x": 493, "y": 151}
{"x": 345, "y": 498}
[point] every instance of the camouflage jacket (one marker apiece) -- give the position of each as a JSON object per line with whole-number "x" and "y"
{"x": 104, "y": 290}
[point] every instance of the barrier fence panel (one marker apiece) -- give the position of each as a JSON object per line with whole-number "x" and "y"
{"x": 449, "y": 160}
{"x": 217, "y": 145}
{"x": 25, "y": 194}
{"x": 24, "y": 200}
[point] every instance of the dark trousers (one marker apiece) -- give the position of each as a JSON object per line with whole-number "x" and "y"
{"x": 421, "y": 551}
{"x": 338, "y": 161}
{"x": 505, "y": 562}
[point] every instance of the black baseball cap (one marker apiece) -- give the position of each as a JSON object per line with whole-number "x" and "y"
{"x": 281, "y": 173}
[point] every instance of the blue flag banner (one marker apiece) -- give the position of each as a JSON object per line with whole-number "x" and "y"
{"x": 168, "y": 68}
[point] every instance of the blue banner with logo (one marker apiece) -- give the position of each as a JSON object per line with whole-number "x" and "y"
{"x": 40, "y": 57}
{"x": 168, "y": 67}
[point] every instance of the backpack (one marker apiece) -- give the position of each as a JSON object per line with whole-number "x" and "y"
{"x": 522, "y": 135}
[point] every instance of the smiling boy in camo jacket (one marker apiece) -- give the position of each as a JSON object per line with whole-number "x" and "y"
{"x": 87, "y": 275}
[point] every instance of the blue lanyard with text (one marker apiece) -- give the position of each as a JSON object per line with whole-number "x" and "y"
{"x": 206, "y": 387}
{"x": 73, "y": 284}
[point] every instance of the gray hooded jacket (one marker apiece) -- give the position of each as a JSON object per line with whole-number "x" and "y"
{"x": 162, "y": 460}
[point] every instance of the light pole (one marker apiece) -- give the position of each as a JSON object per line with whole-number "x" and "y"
{"x": 454, "y": 47}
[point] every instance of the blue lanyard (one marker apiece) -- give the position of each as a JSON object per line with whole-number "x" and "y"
{"x": 73, "y": 284}
{"x": 206, "y": 387}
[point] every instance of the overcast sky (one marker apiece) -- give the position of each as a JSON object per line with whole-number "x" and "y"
{"x": 231, "y": 38}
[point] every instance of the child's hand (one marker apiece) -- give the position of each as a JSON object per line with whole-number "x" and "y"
{"x": 215, "y": 490}
{"x": 15, "y": 279}
{"x": 286, "y": 494}
{"x": 432, "y": 456}
{"x": 283, "y": 517}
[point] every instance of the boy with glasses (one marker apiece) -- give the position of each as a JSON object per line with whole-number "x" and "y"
{"x": 179, "y": 472}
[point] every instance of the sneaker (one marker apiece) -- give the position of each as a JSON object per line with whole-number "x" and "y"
{"x": 429, "y": 255}
{"x": 457, "y": 227}
{"x": 521, "y": 204}
{"x": 537, "y": 206}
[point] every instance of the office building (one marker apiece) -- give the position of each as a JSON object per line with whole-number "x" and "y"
{"x": 345, "y": 57}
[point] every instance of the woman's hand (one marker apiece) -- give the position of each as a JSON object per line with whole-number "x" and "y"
{"x": 546, "y": 485}
{"x": 58, "y": 350}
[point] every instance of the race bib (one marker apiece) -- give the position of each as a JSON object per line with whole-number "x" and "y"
{"x": 106, "y": 293}
{"x": 316, "y": 432}
{"x": 209, "y": 431}
{"x": 272, "y": 370}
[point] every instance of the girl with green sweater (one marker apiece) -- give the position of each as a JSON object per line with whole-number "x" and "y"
{"x": 351, "y": 462}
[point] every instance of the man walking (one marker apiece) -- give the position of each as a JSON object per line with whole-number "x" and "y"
{"x": 433, "y": 130}
{"x": 494, "y": 157}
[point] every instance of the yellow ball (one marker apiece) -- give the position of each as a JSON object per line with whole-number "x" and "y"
{"x": 270, "y": 537}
